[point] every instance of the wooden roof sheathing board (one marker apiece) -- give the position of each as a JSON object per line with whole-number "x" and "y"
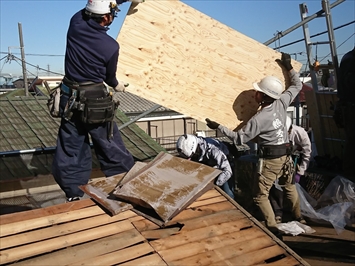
{"x": 182, "y": 59}
{"x": 213, "y": 230}
{"x": 167, "y": 184}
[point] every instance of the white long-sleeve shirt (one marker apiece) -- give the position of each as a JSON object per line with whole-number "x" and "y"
{"x": 301, "y": 141}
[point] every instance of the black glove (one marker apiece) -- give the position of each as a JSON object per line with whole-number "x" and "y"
{"x": 211, "y": 124}
{"x": 285, "y": 61}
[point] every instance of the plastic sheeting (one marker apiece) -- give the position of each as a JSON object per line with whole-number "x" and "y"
{"x": 336, "y": 205}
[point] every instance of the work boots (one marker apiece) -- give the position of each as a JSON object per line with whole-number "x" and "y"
{"x": 73, "y": 199}
{"x": 301, "y": 220}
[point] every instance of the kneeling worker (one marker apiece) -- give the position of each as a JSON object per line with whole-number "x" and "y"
{"x": 210, "y": 152}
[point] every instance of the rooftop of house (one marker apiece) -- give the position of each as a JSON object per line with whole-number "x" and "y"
{"x": 28, "y": 137}
{"x": 131, "y": 103}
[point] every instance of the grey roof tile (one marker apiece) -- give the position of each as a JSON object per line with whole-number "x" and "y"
{"x": 131, "y": 103}
{"x": 26, "y": 124}
{"x": 15, "y": 167}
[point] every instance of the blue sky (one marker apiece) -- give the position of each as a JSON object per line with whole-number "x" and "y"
{"x": 44, "y": 26}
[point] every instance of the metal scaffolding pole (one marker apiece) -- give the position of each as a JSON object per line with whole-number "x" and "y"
{"x": 308, "y": 19}
{"x": 308, "y": 43}
{"x": 333, "y": 50}
{"x": 155, "y": 107}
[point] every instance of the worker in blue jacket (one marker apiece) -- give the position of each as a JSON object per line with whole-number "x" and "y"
{"x": 86, "y": 106}
{"x": 211, "y": 152}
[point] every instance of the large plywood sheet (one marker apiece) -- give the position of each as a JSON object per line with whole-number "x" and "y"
{"x": 184, "y": 60}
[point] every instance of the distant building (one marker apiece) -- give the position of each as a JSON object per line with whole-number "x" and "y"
{"x": 51, "y": 80}
{"x": 20, "y": 83}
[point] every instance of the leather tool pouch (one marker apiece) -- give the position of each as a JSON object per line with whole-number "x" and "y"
{"x": 98, "y": 110}
{"x": 54, "y": 101}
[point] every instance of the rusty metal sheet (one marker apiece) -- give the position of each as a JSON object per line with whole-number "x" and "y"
{"x": 167, "y": 185}
{"x": 101, "y": 190}
{"x": 137, "y": 168}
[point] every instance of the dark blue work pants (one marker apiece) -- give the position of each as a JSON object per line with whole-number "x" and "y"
{"x": 228, "y": 187}
{"x": 72, "y": 161}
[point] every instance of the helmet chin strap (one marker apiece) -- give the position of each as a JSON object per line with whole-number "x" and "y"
{"x": 267, "y": 100}
{"x": 113, "y": 13}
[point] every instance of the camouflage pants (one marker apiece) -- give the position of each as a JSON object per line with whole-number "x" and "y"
{"x": 272, "y": 169}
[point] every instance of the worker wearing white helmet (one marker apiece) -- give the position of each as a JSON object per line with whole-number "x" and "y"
{"x": 271, "y": 86}
{"x": 301, "y": 153}
{"x": 211, "y": 152}
{"x": 86, "y": 107}
{"x": 268, "y": 128}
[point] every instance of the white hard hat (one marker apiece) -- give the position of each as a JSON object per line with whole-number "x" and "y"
{"x": 288, "y": 123}
{"x": 271, "y": 86}
{"x": 101, "y": 7}
{"x": 186, "y": 145}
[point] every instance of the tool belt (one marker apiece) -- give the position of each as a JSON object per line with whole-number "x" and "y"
{"x": 274, "y": 151}
{"x": 90, "y": 100}
{"x": 72, "y": 85}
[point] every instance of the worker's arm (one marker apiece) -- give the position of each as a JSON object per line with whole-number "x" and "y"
{"x": 111, "y": 69}
{"x": 240, "y": 137}
{"x": 296, "y": 85}
{"x": 290, "y": 94}
{"x": 222, "y": 164}
{"x": 300, "y": 138}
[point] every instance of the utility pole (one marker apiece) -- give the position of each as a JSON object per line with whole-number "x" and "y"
{"x": 23, "y": 59}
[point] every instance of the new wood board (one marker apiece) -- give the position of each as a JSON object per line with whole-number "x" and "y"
{"x": 182, "y": 59}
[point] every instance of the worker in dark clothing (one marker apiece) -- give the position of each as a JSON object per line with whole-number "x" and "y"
{"x": 211, "y": 152}
{"x": 345, "y": 112}
{"x": 86, "y": 105}
{"x": 268, "y": 127}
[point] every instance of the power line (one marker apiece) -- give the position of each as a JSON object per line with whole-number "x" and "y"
{"x": 37, "y": 67}
{"x": 315, "y": 35}
{"x": 337, "y": 47}
{"x": 35, "y": 54}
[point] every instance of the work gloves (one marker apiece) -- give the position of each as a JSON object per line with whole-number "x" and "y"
{"x": 297, "y": 178}
{"x": 119, "y": 2}
{"x": 285, "y": 61}
{"x": 121, "y": 87}
{"x": 211, "y": 124}
{"x": 115, "y": 98}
